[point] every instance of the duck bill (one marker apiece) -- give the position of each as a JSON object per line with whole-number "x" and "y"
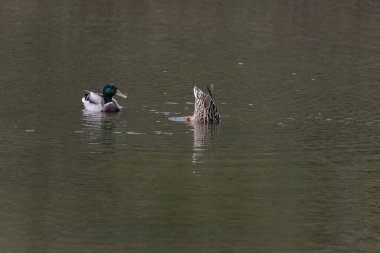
{"x": 120, "y": 94}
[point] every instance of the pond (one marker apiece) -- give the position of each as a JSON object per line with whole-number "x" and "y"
{"x": 293, "y": 166}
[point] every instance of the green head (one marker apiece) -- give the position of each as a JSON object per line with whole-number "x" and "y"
{"x": 109, "y": 90}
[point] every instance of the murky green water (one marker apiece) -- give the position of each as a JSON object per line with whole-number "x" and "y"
{"x": 294, "y": 165}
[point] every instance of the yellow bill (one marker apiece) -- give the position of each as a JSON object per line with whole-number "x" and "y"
{"x": 119, "y": 93}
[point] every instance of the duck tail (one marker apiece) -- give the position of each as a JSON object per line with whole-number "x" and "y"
{"x": 210, "y": 90}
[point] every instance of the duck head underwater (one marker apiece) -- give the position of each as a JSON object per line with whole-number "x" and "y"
{"x": 205, "y": 109}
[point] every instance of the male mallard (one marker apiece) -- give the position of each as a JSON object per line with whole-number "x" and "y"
{"x": 103, "y": 102}
{"x": 205, "y": 109}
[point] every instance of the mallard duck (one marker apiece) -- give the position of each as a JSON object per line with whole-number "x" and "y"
{"x": 205, "y": 109}
{"x": 103, "y": 102}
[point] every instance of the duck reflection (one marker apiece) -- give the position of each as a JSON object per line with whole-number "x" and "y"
{"x": 100, "y": 128}
{"x": 203, "y": 137}
{"x": 95, "y": 121}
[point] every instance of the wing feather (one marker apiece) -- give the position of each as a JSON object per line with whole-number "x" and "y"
{"x": 93, "y": 101}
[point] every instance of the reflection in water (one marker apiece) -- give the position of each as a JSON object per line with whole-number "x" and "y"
{"x": 101, "y": 130}
{"x": 96, "y": 121}
{"x": 204, "y": 136}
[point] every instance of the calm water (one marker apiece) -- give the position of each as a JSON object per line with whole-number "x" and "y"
{"x": 294, "y": 165}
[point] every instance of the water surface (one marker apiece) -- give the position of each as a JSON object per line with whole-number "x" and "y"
{"x": 293, "y": 166}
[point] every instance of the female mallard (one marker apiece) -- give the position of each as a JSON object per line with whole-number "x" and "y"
{"x": 205, "y": 109}
{"x": 103, "y": 102}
